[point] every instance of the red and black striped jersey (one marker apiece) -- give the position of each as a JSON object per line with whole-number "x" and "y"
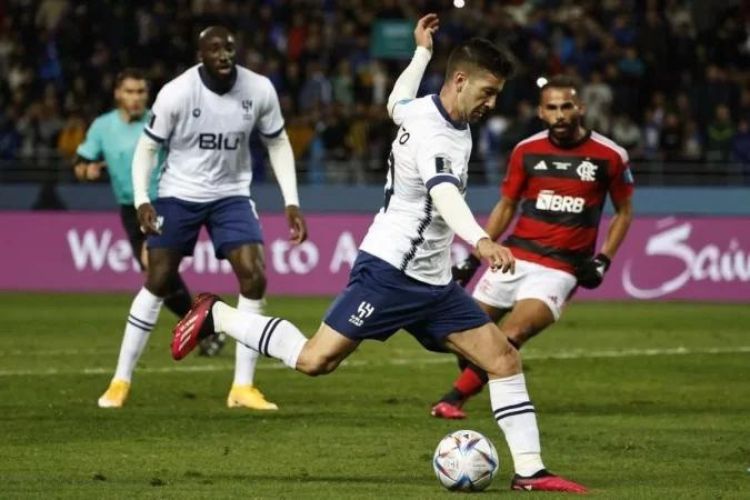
{"x": 561, "y": 192}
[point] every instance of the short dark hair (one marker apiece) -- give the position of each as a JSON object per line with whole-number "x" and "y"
{"x": 563, "y": 82}
{"x": 132, "y": 73}
{"x": 484, "y": 54}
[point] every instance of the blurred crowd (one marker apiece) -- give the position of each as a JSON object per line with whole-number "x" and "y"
{"x": 668, "y": 79}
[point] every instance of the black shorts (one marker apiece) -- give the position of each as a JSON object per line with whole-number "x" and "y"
{"x": 129, "y": 219}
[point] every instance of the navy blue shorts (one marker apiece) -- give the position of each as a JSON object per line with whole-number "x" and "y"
{"x": 231, "y": 222}
{"x": 379, "y": 300}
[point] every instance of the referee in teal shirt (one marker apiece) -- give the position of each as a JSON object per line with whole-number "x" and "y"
{"x": 110, "y": 142}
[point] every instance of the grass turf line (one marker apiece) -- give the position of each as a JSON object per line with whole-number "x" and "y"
{"x": 633, "y": 427}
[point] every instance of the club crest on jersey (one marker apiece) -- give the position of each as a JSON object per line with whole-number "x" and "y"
{"x": 587, "y": 171}
{"x": 247, "y": 106}
{"x": 364, "y": 311}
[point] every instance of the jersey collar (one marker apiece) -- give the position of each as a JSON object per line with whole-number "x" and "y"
{"x": 444, "y": 112}
{"x": 214, "y": 85}
{"x": 572, "y": 145}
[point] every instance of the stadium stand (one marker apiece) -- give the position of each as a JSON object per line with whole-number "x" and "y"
{"x": 668, "y": 79}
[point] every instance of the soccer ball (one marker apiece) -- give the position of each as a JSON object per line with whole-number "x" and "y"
{"x": 465, "y": 461}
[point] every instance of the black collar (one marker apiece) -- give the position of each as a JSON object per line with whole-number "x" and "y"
{"x": 571, "y": 145}
{"x": 214, "y": 85}
{"x": 444, "y": 112}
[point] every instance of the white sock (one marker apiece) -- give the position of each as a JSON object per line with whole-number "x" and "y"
{"x": 143, "y": 315}
{"x": 272, "y": 337}
{"x": 245, "y": 358}
{"x": 517, "y": 418}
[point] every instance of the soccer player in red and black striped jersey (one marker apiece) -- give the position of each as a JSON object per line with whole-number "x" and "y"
{"x": 560, "y": 179}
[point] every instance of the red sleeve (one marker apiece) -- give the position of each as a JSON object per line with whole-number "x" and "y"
{"x": 515, "y": 178}
{"x": 621, "y": 185}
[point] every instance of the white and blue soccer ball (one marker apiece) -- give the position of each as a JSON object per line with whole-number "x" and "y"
{"x": 465, "y": 461}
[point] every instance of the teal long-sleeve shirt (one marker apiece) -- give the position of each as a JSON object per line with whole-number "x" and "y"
{"x": 113, "y": 140}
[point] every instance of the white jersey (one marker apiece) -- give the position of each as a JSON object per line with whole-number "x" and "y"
{"x": 208, "y": 134}
{"x": 429, "y": 149}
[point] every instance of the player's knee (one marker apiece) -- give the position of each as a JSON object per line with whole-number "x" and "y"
{"x": 316, "y": 364}
{"x": 506, "y": 363}
{"x": 159, "y": 280}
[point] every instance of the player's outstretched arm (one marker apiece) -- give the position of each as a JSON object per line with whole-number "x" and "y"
{"x": 282, "y": 162}
{"x": 407, "y": 84}
{"x": 456, "y": 213}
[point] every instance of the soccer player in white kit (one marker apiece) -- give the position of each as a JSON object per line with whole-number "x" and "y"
{"x": 204, "y": 117}
{"x": 402, "y": 275}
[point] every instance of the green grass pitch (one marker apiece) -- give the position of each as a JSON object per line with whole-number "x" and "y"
{"x": 634, "y": 400}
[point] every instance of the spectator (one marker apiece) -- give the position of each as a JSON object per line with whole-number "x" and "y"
{"x": 491, "y": 147}
{"x": 741, "y": 145}
{"x": 627, "y": 134}
{"x": 356, "y": 142}
{"x": 631, "y": 65}
{"x": 50, "y": 13}
{"x": 671, "y": 138}
{"x": 597, "y": 94}
{"x": 720, "y": 133}
{"x": 72, "y": 134}
{"x": 316, "y": 91}
{"x": 343, "y": 84}
{"x": 681, "y": 57}
{"x": 693, "y": 142}
{"x": 651, "y": 135}
{"x": 10, "y": 139}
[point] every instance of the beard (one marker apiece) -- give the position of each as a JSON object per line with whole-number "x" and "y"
{"x": 566, "y": 131}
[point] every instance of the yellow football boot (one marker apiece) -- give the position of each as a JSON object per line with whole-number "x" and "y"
{"x": 116, "y": 394}
{"x": 248, "y": 396}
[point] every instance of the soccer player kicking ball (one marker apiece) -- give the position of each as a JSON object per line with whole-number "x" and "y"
{"x": 206, "y": 116}
{"x": 560, "y": 178}
{"x": 402, "y": 276}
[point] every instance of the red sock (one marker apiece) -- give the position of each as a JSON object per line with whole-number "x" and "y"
{"x": 468, "y": 383}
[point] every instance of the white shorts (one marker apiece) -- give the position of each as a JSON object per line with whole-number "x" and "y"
{"x": 530, "y": 281}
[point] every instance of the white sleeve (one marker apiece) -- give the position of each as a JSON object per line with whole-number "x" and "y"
{"x": 437, "y": 161}
{"x": 407, "y": 84}
{"x": 144, "y": 161}
{"x": 270, "y": 121}
{"x": 164, "y": 114}
{"x": 282, "y": 161}
{"x": 452, "y": 207}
